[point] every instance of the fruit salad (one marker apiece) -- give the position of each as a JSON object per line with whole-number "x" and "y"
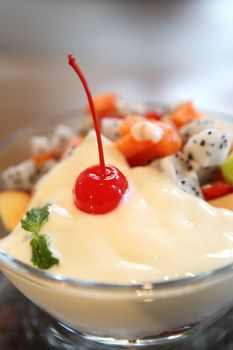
{"x": 137, "y": 213}
{"x": 190, "y": 148}
{"x": 181, "y": 145}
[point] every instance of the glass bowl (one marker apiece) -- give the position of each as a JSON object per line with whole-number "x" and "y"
{"x": 139, "y": 314}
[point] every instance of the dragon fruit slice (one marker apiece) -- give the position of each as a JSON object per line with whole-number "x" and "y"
{"x": 110, "y": 128}
{"x": 56, "y": 141}
{"x": 190, "y": 184}
{"x": 39, "y": 145}
{"x": 175, "y": 169}
{"x": 204, "y": 174}
{"x": 194, "y": 128}
{"x": 60, "y": 137}
{"x": 21, "y": 176}
{"x": 208, "y": 148}
{"x": 172, "y": 166}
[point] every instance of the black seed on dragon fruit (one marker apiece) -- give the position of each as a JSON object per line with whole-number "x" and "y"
{"x": 209, "y": 148}
{"x": 190, "y": 184}
{"x": 175, "y": 169}
{"x": 194, "y": 128}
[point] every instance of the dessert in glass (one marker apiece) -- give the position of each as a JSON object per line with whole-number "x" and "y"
{"x": 131, "y": 253}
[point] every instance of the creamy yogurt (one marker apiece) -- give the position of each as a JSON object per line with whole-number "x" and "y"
{"x": 158, "y": 232}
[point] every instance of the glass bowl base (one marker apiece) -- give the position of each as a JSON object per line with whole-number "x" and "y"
{"x": 59, "y": 336}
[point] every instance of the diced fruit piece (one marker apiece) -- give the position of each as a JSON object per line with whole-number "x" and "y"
{"x": 39, "y": 145}
{"x": 21, "y": 176}
{"x": 105, "y": 105}
{"x": 170, "y": 143}
{"x": 210, "y": 147}
{"x": 147, "y": 131}
{"x": 216, "y": 189}
{"x": 42, "y": 158}
{"x": 195, "y": 127}
{"x": 128, "y": 122}
{"x": 190, "y": 184}
{"x": 183, "y": 114}
{"x": 110, "y": 127}
{"x": 44, "y": 148}
{"x": 153, "y": 116}
{"x": 173, "y": 167}
{"x": 60, "y": 137}
{"x": 227, "y": 169}
{"x": 225, "y": 202}
{"x": 72, "y": 145}
{"x": 13, "y": 205}
{"x": 129, "y": 146}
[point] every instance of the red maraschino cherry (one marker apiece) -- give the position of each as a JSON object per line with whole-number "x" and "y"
{"x": 99, "y": 188}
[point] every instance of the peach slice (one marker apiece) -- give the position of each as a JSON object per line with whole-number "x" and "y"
{"x": 183, "y": 114}
{"x": 13, "y": 205}
{"x": 105, "y": 104}
{"x": 225, "y": 202}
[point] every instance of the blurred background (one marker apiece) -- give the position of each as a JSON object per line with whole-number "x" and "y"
{"x": 156, "y": 50}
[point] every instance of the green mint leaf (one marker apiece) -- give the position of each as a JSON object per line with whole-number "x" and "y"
{"x": 41, "y": 255}
{"x": 35, "y": 218}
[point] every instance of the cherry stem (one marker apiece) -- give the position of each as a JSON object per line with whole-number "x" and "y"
{"x": 73, "y": 64}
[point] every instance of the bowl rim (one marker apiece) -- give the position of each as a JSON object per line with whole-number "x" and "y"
{"x": 31, "y": 272}
{"x": 18, "y": 266}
